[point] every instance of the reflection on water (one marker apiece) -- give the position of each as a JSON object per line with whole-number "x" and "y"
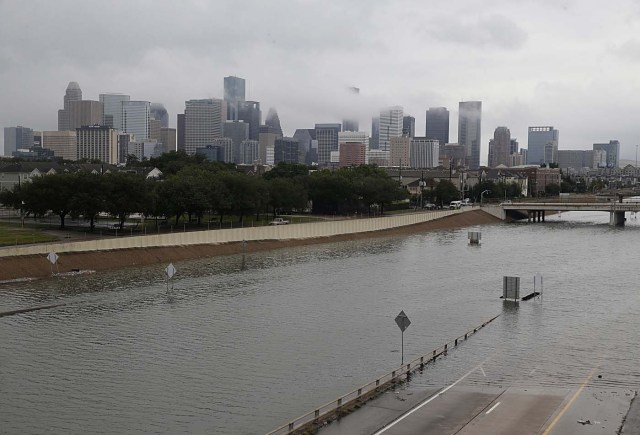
{"x": 229, "y": 350}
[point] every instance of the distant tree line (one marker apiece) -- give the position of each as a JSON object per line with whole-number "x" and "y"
{"x": 194, "y": 188}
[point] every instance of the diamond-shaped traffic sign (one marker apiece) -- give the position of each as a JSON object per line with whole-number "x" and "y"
{"x": 403, "y": 321}
{"x": 52, "y": 257}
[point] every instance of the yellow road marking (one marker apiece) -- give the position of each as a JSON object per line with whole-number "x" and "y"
{"x": 574, "y": 397}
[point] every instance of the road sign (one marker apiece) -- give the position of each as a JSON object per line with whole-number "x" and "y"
{"x": 403, "y": 321}
{"x": 52, "y": 257}
{"x": 170, "y": 270}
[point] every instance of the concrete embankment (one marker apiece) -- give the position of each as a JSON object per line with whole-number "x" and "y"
{"x": 21, "y": 262}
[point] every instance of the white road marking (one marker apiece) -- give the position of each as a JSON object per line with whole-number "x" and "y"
{"x": 483, "y": 373}
{"x": 492, "y": 408}
{"x": 429, "y": 400}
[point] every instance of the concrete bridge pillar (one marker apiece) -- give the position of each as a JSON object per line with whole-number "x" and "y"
{"x": 529, "y": 216}
{"x": 616, "y": 218}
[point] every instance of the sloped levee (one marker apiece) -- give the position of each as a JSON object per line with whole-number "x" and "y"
{"x": 30, "y": 261}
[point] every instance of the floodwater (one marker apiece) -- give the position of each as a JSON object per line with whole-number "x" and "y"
{"x": 232, "y": 351}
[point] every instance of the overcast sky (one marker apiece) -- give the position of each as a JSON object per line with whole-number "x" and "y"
{"x": 573, "y": 64}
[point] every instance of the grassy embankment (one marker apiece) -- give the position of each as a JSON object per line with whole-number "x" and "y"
{"x": 12, "y": 234}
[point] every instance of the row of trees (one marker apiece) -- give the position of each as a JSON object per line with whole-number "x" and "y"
{"x": 194, "y": 190}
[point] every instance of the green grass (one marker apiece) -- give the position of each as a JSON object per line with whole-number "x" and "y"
{"x": 14, "y": 235}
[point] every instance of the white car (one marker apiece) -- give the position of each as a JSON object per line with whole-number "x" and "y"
{"x": 279, "y": 221}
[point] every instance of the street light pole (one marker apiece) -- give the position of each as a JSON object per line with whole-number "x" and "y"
{"x": 482, "y": 196}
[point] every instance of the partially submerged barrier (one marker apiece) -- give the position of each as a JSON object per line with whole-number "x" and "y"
{"x": 343, "y": 404}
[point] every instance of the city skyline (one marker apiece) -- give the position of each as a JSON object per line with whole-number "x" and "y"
{"x": 175, "y": 66}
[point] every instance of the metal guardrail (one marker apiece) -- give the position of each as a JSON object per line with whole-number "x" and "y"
{"x": 379, "y": 385}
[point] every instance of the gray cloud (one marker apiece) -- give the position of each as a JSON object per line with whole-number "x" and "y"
{"x": 492, "y": 31}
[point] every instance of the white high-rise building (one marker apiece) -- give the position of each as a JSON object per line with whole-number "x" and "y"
{"x": 390, "y": 126}
{"x": 135, "y": 119}
{"x": 204, "y": 120}
{"x": 112, "y": 110}
{"x": 424, "y": 153}
{"x": 96, "y": 142}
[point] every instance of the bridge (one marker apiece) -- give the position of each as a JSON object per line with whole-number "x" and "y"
{"x": 535, "y": 211}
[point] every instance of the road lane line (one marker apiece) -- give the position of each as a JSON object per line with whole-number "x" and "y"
{"x": 574, "y": 397}
{"x": 492, "y": 408}
{"x": 429, "y": 400}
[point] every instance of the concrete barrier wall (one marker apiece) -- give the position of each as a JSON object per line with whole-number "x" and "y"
{"x": 494, "y": 210}
{"x": 279, "y": 232}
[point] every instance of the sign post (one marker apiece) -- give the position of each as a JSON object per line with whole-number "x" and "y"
{"x": 403, "y": 323}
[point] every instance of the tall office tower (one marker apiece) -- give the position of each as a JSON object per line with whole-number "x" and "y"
{"x": 203, "y": 122}
{"x": 112, "y": 109}
{"x": 266, "y": 142}
{"x": 327, "y": 137}
{"x": 400, "y": 152}
{"x": 539, "y": 138}
{"x": 513, "y": 149}
{"x": 500, "y": 147}
{"x": 124, "y": 140}
{"x": 85, "y": 112}
{"x": 424, "y": 153}
{"x": 273, "y": 121}
{"x": 352, "y": 154}
{"x": 469, "y": 131}
{"x": 168, "y": 139}
{"x": 64, "y": 144}
{"x": 154, "y": 129}
{"x": 73, "y": 93}
{"x": 226, "y": 148}
{"x": 374, "y": 143}
{"x": 135, "y": 119}
{"x": 437, "y": 125}
{"x": 249, "y": 152}
{"x": 286, "y": 150}
{"x": 613, "y": 152}
{"x": 390, "y": 126}
{"x": 17, "y": 138}
{"x": 249, "y": 112}
{"x": 180, "y": 137}
{"x": 97, "y": 142}
{"x": 575, "y": 159}
{"x": 237, "y": 131}
{"x": 409, "y": 126}
{"x": 305, "y": 138}
{"x": 158, "y": 111}
{"x": 350, "y": 125}
{"x": 233, "y": 94}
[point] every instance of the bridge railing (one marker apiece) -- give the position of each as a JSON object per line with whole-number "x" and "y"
{"x": 368, "y": 390}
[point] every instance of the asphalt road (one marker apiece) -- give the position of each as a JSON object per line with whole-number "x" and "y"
{"x": 471, "y": 408}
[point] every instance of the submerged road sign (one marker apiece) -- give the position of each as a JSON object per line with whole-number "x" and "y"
{"x": 52, "y": 257}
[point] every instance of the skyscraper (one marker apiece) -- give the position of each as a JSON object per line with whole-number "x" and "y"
{"x": 64, "y": 144}
{"x": 203, "y": 122}
{"x": 613, "y": 152}
{"x": 390, "y": 126}
{"x": 249, "y": 112}
{"x": 400, "y": 152}
{"x": 238, "y": 132}
{"x": 424, "y": 153}
{"x": 112, "y": 109}
{"x": 374, "y": 143}
{"x": 135, "y": 119}
{"x": 158, "y": 112}
{"x": 469, "y": 131}
{"x": 437, "y": 125}
{"x": 500, "y": 147}
{"x": 85, "y": 112}
{"x": 305, "y": 138}
{"x": 180, "y": 135}
{"x": 73, "y": 93}
{"x": 542, "y": 145}
{"x": 273, "y": 121}
{"x": 16, "y": 138}
{"x": 234, "y": 88}
{"x": 349, "y": 125}
{"x": 286, "y": 150}
{"x": 409, "y": 126}
{"x": 327, "y": 137}
{"x": 97, "y": 142}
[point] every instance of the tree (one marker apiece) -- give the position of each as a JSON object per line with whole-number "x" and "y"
{"x": 446, "y": 192}
{"x": 89, "y": 198}
{"x": 552, "y": 189}
{"x": 285, "y": 195}
{"x": 126, "y": 193}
